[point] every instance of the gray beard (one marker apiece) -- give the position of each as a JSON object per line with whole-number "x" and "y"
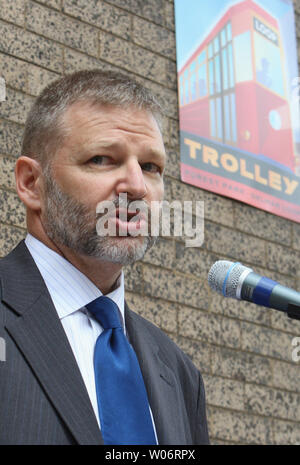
{"x": 70, "y": 223}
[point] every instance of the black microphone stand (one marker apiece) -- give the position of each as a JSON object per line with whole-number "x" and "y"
{"x": 293, "y": 311}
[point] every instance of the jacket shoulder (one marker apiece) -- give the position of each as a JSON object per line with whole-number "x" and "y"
{"x": 168, "y": 349}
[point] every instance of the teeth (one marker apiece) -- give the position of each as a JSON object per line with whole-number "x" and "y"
{"x": 132, "y": 216}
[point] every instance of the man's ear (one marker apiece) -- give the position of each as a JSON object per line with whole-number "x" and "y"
{"x": 28, "y": 174}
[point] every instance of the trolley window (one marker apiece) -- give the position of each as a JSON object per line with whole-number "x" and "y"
{"x": 268, "y": 64}
{"x": 243, "y": 57}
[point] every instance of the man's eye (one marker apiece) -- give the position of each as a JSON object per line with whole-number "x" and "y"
{"x": 151, "y": 167}
{"x": 100, "y": 160}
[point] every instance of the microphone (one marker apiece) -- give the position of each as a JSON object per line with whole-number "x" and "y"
{"x": 240, "y": 282}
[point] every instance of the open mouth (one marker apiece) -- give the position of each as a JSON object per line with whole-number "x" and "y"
{"x": 131, "y": 223}
{"x": 123, "y": 221}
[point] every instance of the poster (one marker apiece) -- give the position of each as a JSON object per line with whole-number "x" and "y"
{"x": 238, "y": 89}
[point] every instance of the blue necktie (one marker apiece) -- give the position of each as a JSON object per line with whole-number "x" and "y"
{"x": 122, "y": 399}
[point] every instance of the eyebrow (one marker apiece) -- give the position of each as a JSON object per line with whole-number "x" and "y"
{"x": 104, "y": 144}
{"x": 157, "y": 153}
{"x": 108, "y": 144}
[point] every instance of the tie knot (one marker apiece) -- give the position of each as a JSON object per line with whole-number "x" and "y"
{"x": 106, "y": 312}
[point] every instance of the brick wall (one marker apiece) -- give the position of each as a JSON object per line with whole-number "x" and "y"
{"x": 243, "y": 351}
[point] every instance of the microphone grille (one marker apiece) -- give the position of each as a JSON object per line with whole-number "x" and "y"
{"x": 218, "y": 274}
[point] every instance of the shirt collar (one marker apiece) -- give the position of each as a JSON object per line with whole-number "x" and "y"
{"x": 70, "y": 290}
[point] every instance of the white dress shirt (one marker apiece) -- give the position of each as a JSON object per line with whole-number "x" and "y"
{"x": 71, "y": 291}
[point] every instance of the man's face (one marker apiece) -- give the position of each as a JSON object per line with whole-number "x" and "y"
{"x": 108, "y": 151}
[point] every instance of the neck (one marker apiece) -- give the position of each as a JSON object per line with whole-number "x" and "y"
{"x": 103, "y": 274}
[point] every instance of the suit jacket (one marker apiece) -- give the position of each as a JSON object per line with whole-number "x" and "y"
{"x": 43, "y": 396}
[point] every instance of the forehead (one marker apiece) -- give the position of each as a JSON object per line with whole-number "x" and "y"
{"x": 84, "y": 122}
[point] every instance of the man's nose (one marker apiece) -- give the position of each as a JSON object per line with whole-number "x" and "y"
{"x": 132, "y": 182}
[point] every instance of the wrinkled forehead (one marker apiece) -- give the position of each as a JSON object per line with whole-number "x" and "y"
{"x": 90, "y": 127}
{"x": 82, "y": 112}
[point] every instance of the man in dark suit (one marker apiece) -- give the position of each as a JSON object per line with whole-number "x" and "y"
{"x": 90, "y": 137}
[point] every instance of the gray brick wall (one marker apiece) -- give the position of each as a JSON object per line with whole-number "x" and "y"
{"x": 244, "y": 352}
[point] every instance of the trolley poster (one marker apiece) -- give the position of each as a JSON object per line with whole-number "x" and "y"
{"x": 239, "y": 102}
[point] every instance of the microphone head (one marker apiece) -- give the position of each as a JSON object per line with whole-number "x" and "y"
{"x": 224, "y": 277}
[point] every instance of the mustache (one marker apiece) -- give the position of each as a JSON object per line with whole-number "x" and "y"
{"x": 113, "y": 207}
{"x": 121, "y": 202}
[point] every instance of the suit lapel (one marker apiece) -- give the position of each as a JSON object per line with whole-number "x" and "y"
{"x": 40, "y": 336}
{"x": 160, "y": 381}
